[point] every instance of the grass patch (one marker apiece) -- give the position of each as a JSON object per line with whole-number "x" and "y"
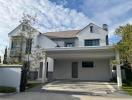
{"x": 127, "y": 87}
{"x": 4, "y": 89}
{"x": 32, "y": 85}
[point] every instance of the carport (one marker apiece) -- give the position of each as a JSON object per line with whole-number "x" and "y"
{"x": 101, "y": 54}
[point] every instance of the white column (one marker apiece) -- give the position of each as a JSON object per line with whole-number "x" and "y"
{"x": 44, "y": 69}
{"x": 118, "y": 69}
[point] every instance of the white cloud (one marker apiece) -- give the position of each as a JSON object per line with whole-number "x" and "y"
{"x": 108, "y": 15}
{"x": 51, "y": 17}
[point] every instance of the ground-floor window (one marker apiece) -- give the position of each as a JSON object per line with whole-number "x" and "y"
{"x": 87, "y": 64}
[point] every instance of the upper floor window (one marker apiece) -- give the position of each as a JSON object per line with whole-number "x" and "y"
{"x": 107, "y": 40}
{"x": 24, "y": 27}
{"x": 15, "y": 43}
{"x": 28, "y": 46}
{"x": 91, "y": 29}
{"x": 93, "y": 42}
{"x": 69, "y": 44}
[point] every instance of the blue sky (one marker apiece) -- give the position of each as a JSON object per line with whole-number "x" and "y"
{"x": 56, "y": 15}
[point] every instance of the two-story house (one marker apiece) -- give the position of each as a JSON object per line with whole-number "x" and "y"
{"x": 74, "y": 55}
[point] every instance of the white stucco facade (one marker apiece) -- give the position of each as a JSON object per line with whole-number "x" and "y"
{"x": 100, "y": 71}
{"x": 10, "y": 76}
{"x": 98, "y": 33}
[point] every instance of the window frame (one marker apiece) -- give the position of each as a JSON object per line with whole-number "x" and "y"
{"x": 92, "y": 42}
{"x": 87, "y": 64}
{"x": 68, "y": 43}
{"x": 28, "y": 46}
{"x": 91, "y": 29}
{"x": 107, "y": 40}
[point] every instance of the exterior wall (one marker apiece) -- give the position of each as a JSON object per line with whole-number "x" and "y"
{"x": 50, "y": 64}
{"x": 10, "y": 76}
{"x": 61, "y": 42}
{"x": 45, "y": 42}
{"x": 98, "y": 33}
{"x": 100, "y": 72}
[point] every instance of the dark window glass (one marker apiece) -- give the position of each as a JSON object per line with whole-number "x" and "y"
{"x": 28, "y": 46}
{"x": 15, "y": 43}
{"x": 24, "y": 27}
{"x": 91, "y": 29}
{"x": 107, "y": 40}
{"x": 47, "y": 70}
{"x": 94, "y": 42}
{"x": 69, "y": 44}
{"x": 87, "y": 64}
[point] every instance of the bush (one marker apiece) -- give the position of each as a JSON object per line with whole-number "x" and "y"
{"x": 4, "y": 89}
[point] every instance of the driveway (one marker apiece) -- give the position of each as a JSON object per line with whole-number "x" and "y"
{"x": 80, "y": 87}
{"x": 69, "y": 90}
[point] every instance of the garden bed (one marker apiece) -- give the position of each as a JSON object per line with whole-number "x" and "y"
{"x": 4, "y": 89}
{"x": 127, "y": 87}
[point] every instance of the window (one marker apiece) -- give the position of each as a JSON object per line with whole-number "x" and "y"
{"x": 24, "y": 27}
{"x": 93, "y": 42}
{"x": 69, "y": 44}
{"x": 15, "y": 42}
{"x": 28, "y": 46}
{"x": 91, "y": 29}
{"x": 107, "y": 40}
{"x": 87, "y": 64}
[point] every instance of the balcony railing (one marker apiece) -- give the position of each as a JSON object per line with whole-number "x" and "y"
{"x": 15, "y": 52}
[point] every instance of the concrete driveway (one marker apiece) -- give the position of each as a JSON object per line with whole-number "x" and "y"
{"x": 80, "y": 87}
{"x": 69, "y": 90}
{"x": 56, "y": 96}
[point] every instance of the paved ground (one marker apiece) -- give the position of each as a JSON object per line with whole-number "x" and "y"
{"x": 82, "y": 87}
{"x": 58, "y": 96}
{"x": 39, "y": 93}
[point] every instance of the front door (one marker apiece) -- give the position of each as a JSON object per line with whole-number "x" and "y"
{"x": 40, "y": 69}
{"x": 74, "y": 69}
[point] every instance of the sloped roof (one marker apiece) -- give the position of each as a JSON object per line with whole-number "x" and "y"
{"x": 62, "y": 34}
{"x": 67, "y": 34}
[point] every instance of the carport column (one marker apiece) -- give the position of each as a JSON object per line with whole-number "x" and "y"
{"x": 118, "y": 69}
{"x": 44, "y": 69}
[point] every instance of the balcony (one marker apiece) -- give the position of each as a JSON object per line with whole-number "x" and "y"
{"x": 15, "y": 52}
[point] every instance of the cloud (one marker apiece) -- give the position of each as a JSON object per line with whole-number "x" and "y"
{"x": 54, "y": 17}
{"x": 51, "y": 17}
{"x": 108, "y": 15}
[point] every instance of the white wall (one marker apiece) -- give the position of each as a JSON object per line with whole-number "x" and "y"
{"x": 45, "y": 42}
{"x": 50, "y": 64}
{"x": 98, "y": 33}
{"x": 61, "y": 42}
{"x": 100, "y": 71}
{"x": 10, "y": 77}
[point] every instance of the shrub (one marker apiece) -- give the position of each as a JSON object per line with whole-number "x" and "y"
{"x": 4, "y": 89}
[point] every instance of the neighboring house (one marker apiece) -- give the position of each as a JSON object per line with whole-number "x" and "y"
{"x": 74, "y": 55}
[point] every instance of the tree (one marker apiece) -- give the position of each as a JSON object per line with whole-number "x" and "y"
{"x": 28, "y": 21}
{"x": 5, "y": 57}
{"x": 29, "y": 32}
{"x": 125, "y": 45}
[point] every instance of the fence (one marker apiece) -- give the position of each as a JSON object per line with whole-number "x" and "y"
{"x": 10, "y": 75}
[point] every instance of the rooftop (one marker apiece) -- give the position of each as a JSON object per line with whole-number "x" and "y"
{"x": 62, "y": 34}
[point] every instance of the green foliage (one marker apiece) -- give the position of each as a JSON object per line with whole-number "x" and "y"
{"x": 127, "y": 88}
{"x": 32, "y": 85}
{"x": 125, "y": 45}
{"x": 4, "y": 89}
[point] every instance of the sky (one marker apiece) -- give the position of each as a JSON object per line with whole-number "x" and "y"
{"x": 59, "y": 15}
